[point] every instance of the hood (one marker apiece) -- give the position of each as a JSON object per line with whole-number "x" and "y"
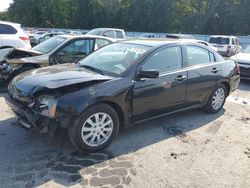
{"x": 16, "y": 55}
{"x": 54, "y": 77}
{"x": 241, "y": 57}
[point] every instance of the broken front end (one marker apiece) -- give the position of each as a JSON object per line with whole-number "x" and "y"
{"x": 36, "y": 115}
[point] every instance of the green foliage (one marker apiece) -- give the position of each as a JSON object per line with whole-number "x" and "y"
{"x": 179, "y": 16}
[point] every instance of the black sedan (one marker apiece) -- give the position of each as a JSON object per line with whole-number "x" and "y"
{"x": 119, "y": 85}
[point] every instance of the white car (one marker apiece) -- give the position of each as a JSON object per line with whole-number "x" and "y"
{"x": 226, "y": 45}
{"x": 12, "y": 35}
{"x": 201, "y": 42}
{"x": 243, "y": 60}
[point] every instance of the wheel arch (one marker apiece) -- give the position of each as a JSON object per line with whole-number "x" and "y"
{"x": 228, "y": 87}
{"x": 117, "y": 108}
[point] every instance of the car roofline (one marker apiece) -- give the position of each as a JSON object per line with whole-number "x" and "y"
{"x": 86, "y": 36}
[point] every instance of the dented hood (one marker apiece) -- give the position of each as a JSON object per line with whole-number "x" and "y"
{"x": 17, "y": 56}
{"x": 53, "y": 78}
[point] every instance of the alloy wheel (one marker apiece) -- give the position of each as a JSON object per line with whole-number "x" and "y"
{"x": 218, "y": 98}
{"x": 97, "y": 129}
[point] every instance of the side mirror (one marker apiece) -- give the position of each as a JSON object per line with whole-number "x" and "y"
{"x": 151, "y": 74}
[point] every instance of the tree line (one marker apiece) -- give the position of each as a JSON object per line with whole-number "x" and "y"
{"x": 171, "y": 16}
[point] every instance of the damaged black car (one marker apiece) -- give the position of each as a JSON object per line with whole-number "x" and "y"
{"x": 57, "y": 50}
{"x": 120, "y": 85}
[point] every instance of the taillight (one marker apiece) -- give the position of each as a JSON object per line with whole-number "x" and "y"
{"x": 237, "y": 68}
{"x": 24, "y": 38}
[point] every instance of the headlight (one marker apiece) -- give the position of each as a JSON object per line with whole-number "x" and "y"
{"x": 47, "y": 105}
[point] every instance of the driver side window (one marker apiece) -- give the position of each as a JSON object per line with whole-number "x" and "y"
{"x": 165, "y": 60}
{"x": 78, "y": 47}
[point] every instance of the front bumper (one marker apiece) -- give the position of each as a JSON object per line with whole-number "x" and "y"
{"x": 28, "y": 118}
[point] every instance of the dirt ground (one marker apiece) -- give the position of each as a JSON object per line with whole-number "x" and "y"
{"x": 190, "y": 149}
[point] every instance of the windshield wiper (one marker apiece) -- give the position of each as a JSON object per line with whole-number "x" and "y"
{"x": 93, "y": 69}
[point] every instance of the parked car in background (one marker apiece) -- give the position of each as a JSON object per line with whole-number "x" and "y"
{"x": 13, "y": 36}
{"x": 121, "y": 84}
{"x": 57, "y": 50}
{"x": 201, "y": 42}
{"x": 108, "y": 32}
{"x": 44, "y": 37}
{"x": 69, "y": 32}
{"x": 243, "y": 60}
{"x": 179, "y": 36}
{"x": 147, "y": 35}
{"x": 226, "y": 45}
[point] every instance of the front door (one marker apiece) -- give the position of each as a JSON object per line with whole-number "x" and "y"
{"x": 75, "y": 50}
{"x": 152, "y": 97}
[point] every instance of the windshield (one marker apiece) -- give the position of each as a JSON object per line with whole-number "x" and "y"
{"x": 114, "y": 59}
{"x": 48, "y": 45}
{"x": 95, "y": 32}
{"x": 219, "y": 40}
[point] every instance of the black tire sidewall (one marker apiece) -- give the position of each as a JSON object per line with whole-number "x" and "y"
{"x": 77, "y": 139}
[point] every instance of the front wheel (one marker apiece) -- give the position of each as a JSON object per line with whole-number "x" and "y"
{"x": 96, "y": 128}
{"x": 217, "y": 99}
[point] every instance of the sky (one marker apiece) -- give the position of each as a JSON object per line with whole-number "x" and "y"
{"x": 4, "y": 4}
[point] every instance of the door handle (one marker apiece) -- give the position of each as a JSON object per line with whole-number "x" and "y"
{"x": 215, "y": 70}
{"x": 180, "y": 78}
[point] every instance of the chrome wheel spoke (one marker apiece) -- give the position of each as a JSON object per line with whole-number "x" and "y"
{"x": 106, "y": 123}
{"x": 89, "y": 121}
{"x": 87, "y": 136}
{"x": 107, "y": 129}
{"x": 87, "y": 129}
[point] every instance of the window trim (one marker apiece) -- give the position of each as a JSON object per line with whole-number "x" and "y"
{"x": 10, "y": 27}
{"x": 114, "y": 34}
{"x": 198, "y": 65}
{"x": 139, "y": 67}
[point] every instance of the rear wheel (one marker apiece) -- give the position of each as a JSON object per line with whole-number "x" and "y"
{"x": 96, "y": 128}
{"x": 217, "y": 99}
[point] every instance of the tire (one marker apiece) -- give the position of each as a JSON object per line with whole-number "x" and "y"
{"x": 211, "y": 106}
{"x": 82, "y": 133}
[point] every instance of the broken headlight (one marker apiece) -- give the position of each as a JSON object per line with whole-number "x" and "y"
{"x": 47, "y": 105}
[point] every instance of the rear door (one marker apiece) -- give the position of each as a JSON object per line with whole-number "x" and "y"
{"x": 203, "y": 74}
{"x": 152, "y": 97}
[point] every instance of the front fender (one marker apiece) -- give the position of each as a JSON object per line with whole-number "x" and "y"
{"x": 72, "y": 105}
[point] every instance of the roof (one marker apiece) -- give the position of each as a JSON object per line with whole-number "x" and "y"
{"x": 151, "y": 42}
{"x": 9, "y": 23}
{"x": 106, "y": 28}
{"x": 87, "y": 36}
{"x": 223, "y": 36}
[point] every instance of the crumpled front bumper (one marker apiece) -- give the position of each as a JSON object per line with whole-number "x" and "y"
{"x": 29, "y": 119}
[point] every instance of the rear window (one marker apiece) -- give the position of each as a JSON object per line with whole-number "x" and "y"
{"x": 119, "y": 34}
{"x": 219, "y": 40}
{"x": 7, "y": 29}
{"x": 95, "y": 32}
{"x": 109, "y": 33}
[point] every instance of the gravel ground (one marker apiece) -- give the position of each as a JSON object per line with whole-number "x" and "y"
{"x": 189, "y": 149}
